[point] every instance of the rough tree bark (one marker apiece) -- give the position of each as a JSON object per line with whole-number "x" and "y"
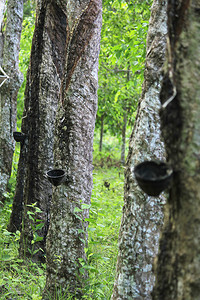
{"x": 75, "y": 123}
{"x": 142, "y": 215}
{"x": 178, "y": 263}
{"x": 9, "y": 60}
{"x": 41, "y": 100}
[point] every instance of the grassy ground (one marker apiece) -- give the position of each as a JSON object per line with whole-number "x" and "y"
{"x": 104, "y": 228}
{"x": 19, "y": 280}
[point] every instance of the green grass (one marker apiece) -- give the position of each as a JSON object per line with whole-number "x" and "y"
{"x": 21, "y": 281}
{"x": 26, "y": 280}
{"x": 18, "y": 280}
{"x": 105, "y": 215}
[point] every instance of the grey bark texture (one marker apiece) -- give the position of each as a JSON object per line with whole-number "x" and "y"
{"x": 41, "y": 100}
{"x": 178, "y": 264}
{"x": 75, "y": 121}
{"x": 142, "y": 217}
{"x": 9, "y": 61}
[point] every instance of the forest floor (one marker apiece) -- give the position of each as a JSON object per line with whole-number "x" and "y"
{"x": 20, "y": 280}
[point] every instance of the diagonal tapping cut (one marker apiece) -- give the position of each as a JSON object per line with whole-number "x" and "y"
{"x": 79, "y": 38}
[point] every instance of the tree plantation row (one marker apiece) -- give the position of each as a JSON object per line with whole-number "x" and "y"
{"x": 70, "y": 85}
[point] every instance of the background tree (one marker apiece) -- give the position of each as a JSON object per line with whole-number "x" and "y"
{"x": 19, "y": 168}
{"x": 142, "y": 215}
{"x": 75, "y": 121}
{"x": 9, "y": 60}
{"x": 36, "y": 157}
{"x": 178, "y": 268}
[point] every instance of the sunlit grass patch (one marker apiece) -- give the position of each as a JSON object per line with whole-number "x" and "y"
{"x": 105, "y": 217}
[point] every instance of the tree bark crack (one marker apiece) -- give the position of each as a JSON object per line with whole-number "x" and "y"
{"x": 79, "y": 38}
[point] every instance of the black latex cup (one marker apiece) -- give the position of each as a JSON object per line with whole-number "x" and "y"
{"x": 56, "y": 176}
{"x": 153, "y": 177}
{"x": 19, "y": 136}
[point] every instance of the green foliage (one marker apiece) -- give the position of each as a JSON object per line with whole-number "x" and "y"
{"x": 18, "y": 279}
{"x": 122, "y": 57}
{"x": 111, "y": 152}
{"x": 12, "y": 181}
{"x": 28, "y": 26}
{"x": 26, "y": 280}
{"x": 29, "y": 8}
{"x": 21, "y": 281}
{"x": 36, "y": 224}
{"x": 104, "y": 222}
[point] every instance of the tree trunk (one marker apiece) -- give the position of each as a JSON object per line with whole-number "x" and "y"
{"x": 143, "y": 215}
{"x": 9, "y": 42}
{"x": 178, "y": 267}
{"x": 75, "y": 121}
{"x": 101, "y": 134}
{"x": 41, "y": 100}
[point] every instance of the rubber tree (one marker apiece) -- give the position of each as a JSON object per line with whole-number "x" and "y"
{"x": 142, "y": 217}
{"x": 9, "y": 61}
{"x": 75, "y": 121}
{"x": 178, "y": 264}
{"x": 36, "y": 155}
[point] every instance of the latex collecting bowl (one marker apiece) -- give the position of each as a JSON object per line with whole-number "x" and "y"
{"x": 153, "y": 177}
{"x": 56, "y": 176}
{"x": 19, "y": 136}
